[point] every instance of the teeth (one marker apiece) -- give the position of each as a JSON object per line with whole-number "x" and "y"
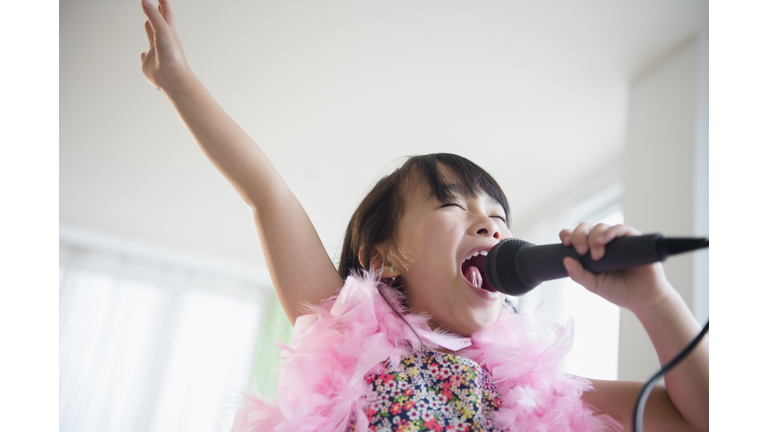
{"x": 476, "y": 253}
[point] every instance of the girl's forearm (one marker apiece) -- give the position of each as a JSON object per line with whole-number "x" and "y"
{"x": 300, "y": 275}
{"x": 223, "y": 141}
{"x": 671, "y": 326}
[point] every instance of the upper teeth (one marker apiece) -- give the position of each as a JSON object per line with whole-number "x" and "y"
{"x": 476, "y": 253}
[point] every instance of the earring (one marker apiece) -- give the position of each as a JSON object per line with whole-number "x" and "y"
{"x": 391, "y": 269}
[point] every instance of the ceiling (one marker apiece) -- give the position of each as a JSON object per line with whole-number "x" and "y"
{"x": 335, "y": 92}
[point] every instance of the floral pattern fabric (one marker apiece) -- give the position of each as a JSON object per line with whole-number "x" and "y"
{"x": 430, "y": 390}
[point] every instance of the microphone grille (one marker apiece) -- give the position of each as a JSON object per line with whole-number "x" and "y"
{"x": 501, "y": 270}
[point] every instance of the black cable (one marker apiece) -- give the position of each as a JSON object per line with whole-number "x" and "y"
{"x": 642, "y": 398}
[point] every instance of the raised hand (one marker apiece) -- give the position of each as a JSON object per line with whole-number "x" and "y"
{"x": 280, "y": 219}
{"x": 640, "y": 287}
{"x": 164, "y": 62}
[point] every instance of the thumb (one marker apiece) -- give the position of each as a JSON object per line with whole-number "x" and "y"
{"x": 579, "y": 275}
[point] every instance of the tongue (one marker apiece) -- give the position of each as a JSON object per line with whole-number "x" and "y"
{"x": 474, "y": 277}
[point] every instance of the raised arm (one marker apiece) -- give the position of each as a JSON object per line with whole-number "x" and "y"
{"x": 300, "y": 268}
{"x": 683, "y": 403}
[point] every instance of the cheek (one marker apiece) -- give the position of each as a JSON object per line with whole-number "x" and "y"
{"x": 428, "y": 257}
{"x": 421, "y": 241}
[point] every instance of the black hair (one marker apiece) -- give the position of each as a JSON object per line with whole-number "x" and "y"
{"x": 376, "y": 218}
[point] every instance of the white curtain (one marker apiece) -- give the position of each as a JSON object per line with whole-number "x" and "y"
{"x": 151, "y": 346}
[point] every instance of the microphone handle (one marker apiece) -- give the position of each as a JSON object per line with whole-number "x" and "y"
{"x": 536, "y": 264}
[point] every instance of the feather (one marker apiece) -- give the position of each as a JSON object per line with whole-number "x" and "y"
{"x": 349, "y": 336}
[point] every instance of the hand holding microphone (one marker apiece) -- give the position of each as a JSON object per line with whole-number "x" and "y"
{"x": 515, "y": 267}
{"x": 613, "y": 263}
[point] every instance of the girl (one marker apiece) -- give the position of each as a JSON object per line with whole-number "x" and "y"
{"x": 432, "y": 346}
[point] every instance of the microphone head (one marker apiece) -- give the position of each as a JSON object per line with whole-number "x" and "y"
{"x": 501, "y": 267}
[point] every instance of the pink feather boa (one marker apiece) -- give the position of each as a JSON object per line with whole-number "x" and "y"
{"x": 335, "y": 345}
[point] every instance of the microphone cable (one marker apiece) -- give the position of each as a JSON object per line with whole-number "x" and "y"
{"x": 642, "y": 398}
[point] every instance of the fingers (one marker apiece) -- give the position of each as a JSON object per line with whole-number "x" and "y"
{"x": 587, "y": 238}
{"x": 150, "y": 33}
{"x": 565, "y": 236}
{"x": 156, "y": 20}
{"x": 167, "y": 12}
{"x": 597, "y": 239}
{"x": 579, "y": 275}
{"x": 607, "y": 234}
{"x": 577, "y": 238}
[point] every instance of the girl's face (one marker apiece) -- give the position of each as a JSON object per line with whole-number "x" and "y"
{"x": 434, "y": 240}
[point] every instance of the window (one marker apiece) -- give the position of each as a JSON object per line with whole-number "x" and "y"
{"x": 595, "y": 352}
{"x": 149, "y": 346}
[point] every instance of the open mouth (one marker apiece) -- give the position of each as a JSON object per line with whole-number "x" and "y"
{"x": 473, "y": 269}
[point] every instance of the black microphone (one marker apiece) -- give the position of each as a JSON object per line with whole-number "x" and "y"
{"x": 516, "y": 266}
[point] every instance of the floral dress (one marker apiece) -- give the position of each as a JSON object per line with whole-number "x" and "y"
{"x": 430, "y": 390}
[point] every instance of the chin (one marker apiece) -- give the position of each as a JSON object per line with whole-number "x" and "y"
{"x": 476, "y": 322}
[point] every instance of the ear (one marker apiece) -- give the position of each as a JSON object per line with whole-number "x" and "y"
{"x": 380, "y": 263}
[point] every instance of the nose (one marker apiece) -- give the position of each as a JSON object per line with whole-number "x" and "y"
{"x": 487, "y": 227}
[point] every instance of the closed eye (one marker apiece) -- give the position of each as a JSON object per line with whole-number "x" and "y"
{"x": 502, "y": 218}
{"x": 453, "y": 204}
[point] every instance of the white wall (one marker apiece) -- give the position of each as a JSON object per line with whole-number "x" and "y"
{"x": 666, "y": 182}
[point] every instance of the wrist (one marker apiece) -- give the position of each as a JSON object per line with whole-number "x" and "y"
{"x": 665, "y": 303}
{"x": 650, "y": 290}
{"x": 179, "y": 83}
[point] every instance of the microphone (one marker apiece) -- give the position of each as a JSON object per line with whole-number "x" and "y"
{"x": 516, "y": 266}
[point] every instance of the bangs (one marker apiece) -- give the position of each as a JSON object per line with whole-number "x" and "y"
{"x": 376, "y": 219}
{"x": 456, "y": 171}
